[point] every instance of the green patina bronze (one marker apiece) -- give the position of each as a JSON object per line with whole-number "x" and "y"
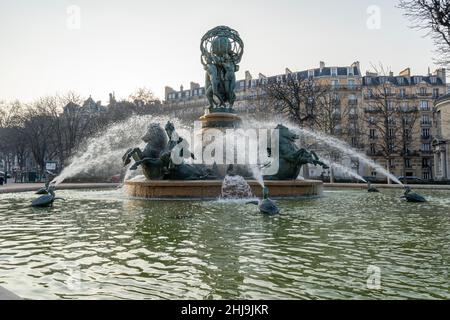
{"x": 157, "y": 158}
{"x": 222, "y": 50}
{"x": 291, "y": 158}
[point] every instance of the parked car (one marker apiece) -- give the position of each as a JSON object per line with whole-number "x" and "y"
{"x": 410, "y": 179}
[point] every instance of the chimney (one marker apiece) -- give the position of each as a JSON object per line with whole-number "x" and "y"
{"x": 167, "y": 90}
{"x": 181, "y": 88}
{"x": 391, "y": 74}
{"x": 405, "y": 73}
{"x": 248, "y": 75}
{"x": 194, "y": 85}
{"x": 322, "y": 65}
{"x": 441, "y": 74}
{"x": 357, "y": 65}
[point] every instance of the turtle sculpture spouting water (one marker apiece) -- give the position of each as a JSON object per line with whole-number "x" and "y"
{"x": 370, "y": 188}
{"x": 47, "y": 199}
{"x": 411, "y": 196}
{"x": 266, "y": 205}
{"x": 43, "y": 190}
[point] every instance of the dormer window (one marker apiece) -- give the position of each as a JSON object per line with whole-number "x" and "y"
{"x": 334, "y": 72}
{"x": 310, "y": 73}
{"x": 417, "y": 79}
{"x": 400, "y": 81}
{"x": 350, "y": 71}
{"x": 368, "y": 80}
{"x": 433, "y": 80}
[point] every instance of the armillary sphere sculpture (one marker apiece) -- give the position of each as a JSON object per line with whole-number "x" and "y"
{"x": 222, "y": 50}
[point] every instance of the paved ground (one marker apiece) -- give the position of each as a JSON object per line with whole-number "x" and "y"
{"x": 8, "y": 295}
{"x": 22, "y": 187}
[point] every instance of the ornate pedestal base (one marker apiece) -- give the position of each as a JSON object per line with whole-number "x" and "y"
{"x": 211, "y": 189}
{"x": 220, "y": 120}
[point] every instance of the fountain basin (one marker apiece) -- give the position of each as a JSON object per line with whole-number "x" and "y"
{"x": 212, "y": 189}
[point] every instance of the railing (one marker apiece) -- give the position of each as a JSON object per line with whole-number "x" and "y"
{"x": 425, "y": 123}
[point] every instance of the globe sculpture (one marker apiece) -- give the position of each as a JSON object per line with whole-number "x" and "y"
{"x": 221, "y": 52}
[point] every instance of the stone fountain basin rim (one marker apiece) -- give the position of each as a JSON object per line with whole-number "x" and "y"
{"x": 212, "y": 189}
{"x": 177, "y": 183}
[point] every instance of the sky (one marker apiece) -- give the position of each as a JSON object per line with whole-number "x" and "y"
{"x": 95, "y": 47}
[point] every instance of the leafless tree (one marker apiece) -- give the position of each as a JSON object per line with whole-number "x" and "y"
{"x": 433, "y": 16}
{"x": 299, "y": 99}
{"x": 390, "y": 120}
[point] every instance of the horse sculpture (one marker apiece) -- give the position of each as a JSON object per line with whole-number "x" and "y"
{"x": 291, "y": 158}
{"x": 157, "y": 157}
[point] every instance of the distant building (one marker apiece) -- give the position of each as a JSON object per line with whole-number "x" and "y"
{"x": 353, "y": 94}
{"x": 441, "y": 141}
{"x": 89, "y": 107}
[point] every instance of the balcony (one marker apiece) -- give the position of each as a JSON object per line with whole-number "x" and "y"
{"x": 425, "y": 123}
{"x": 346, "y": 87}
{"x": 426, "y": 137}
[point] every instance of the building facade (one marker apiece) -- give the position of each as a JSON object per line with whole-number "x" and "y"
{"x": 441, "y": 147}
{"x": 354, "y": 95}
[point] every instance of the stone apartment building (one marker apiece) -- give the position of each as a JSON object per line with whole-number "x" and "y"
{"x": 352, "y": 92}
{"x": 441, "y": 141}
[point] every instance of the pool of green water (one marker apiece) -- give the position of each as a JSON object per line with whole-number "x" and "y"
{"x": 346, "y": 245}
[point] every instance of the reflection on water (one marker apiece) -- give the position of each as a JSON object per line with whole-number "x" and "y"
{"x": 99, "y": 244}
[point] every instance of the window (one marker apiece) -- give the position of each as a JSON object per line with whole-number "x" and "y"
{"x": 408, "y": 163}
{"x": 350, "y": 71}
{"x": 354, "y": 141}
{"x": 400, "y": 81}
{"x": 334, "y": 72}
{"x": 426, "y": 163}
{"x": 372, "y": 120}
{"x": 426, "y": 175}
{"x": 372, "y": 148}
{"x": 425, "y": 132}
{"x": 426, "y": 147}
{"x": 334, "y": 83}
{"x": 370, "y": 93}
{"x": 310, "y": 73}
{"x": 424, "y": 105}
{"x": 402, "y": 93}
{"x": 387, "y": 91}
{"x": 351, "y": 83}
{"x": 417, "y": 80}
{"x": 372, "y": 133}
{"x": 390, "y": 105}
{"x": 373, "y": 173}
{"x": 391, "y": 133}
{"x": 433, "y": 80}
{"x": 423, "y": 91}
{"x": 368, "y": 80}
{"x": 435, "y": 92}
{"x": 425, "y": 119}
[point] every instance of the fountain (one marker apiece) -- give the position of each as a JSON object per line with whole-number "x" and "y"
{"x": 172, "y": 170}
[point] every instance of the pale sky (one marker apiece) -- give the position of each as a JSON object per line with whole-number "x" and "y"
{"x": 123, "y": 45}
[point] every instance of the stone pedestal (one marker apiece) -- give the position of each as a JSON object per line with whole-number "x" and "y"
{"x": 212, "y": 189}
{"x": 220, "y": 120}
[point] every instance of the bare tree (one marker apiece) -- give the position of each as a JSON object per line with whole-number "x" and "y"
{"x": 433, "y": 16}
{"x": 297, "y": 98}
{"x": 390, "y": 120}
